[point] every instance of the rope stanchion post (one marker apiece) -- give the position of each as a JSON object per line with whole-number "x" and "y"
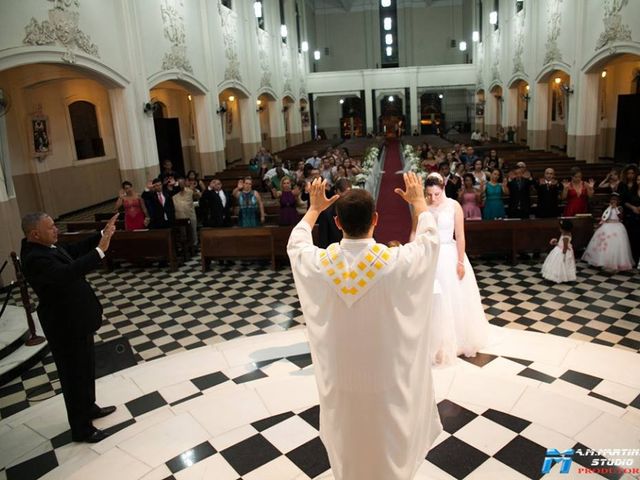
{"x": 33, "y": 339}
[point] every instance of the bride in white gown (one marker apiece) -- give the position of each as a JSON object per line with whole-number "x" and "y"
{"x": 459, "y": 325}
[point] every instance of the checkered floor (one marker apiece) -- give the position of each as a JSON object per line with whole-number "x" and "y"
{"x": 493, "y": 444}
{"x": 161, "y": 313}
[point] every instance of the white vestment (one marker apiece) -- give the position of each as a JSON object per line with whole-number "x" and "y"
{"x": 367, "y": 309}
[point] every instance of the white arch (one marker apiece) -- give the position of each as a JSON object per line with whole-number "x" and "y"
{"x": 267, "y": 91}
{"x": 494, "y": 85}
{"x": 235, "y": 85}
{"x": 289, "y": 93}
{"x": 517, "y": 78}
{"x": 17, "y": 57}
{"x": 604, "y": 55}
{"x": 546, "y": 72}
{"x": 188, "y": 81}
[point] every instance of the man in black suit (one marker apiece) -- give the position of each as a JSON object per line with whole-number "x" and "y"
{"x": 452, "y": 182}
{"x": 520, "y": 192}
{"x": 215, "y": 205}
{"x": 328, "y": 232}
{"x": 159, "y": 202}
{"x": 548, "y": 195}
{"x": 69, "y": 313}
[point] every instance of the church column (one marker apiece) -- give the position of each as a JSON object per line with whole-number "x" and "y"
{"x": 10, "y": 233}
{"x": 490, "y": 114}
{"x": 134, "y": 136}
{"x": 414, "y": 101}
{"x": 134, "y": 130}
{"x": 368, "y": 109}
{"x": 276, "y": 126}
{"x": 583, "y": 138}
{"x": 250, "y": 127}
{"x": 538, "y": 122}
{"x": 211, "y": 160}
{"x": 295, "y": 123}
{"x": 511, "y": 107}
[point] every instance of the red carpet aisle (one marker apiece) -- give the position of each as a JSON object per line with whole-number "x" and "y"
{"x": 395, "y": 218}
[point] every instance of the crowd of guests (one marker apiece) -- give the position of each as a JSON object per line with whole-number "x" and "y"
{"x": 482, "y": 184}
{"x": 171, "y": 196}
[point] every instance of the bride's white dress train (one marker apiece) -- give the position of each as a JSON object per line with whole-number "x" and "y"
{"x": 459, "y": 325}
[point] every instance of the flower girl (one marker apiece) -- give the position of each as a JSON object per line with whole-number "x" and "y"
{"x": 560, "y": 264}
{"x": 609, "y": 247}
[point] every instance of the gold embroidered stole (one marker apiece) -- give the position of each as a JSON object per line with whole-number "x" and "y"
{"x": 351, "y": 283}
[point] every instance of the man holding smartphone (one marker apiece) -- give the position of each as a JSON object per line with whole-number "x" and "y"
{"x": 69, "y": 313}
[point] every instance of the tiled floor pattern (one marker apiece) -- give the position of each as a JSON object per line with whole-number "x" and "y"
{"x": 247, "y": 409}
{"x": 162, "y": 313}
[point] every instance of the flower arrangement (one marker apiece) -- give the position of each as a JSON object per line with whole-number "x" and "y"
{"x": 413, "y": 162}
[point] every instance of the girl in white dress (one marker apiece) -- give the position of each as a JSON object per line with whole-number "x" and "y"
{"x": 609, "y": 247}
{"x": 459, "y": 325}
{"x": 560, "y": 264}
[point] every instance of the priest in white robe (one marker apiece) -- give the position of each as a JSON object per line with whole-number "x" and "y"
{"x": 367, "y": 312}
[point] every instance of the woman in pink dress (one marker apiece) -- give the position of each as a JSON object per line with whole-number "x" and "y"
{"x": 470, "y": 199}
{"x": 576, "y": 193}
{"x": 135, "y": 211}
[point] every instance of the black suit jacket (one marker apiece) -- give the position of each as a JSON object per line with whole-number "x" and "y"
{"x": 520, "y": 195}
{"x": 548, "y": 200}
{"x": 157, "y": 212}
{"x": 212, "y": 211}
{"x": 328, "y": 233}
{"x": 68, "y": 306}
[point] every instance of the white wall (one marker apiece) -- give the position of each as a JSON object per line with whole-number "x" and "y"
{"x": 425, "y": 31}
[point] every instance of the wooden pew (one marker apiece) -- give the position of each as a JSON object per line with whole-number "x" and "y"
{"x": 281, "y": 239}
{"x": 106, "y": 216}
{"x": 511, "y": 237}
{"x": 89, "y": 226}
{"x": 236, "y": 243}
{"x": 265, "y": 243}
{"x": 150, "y": 245}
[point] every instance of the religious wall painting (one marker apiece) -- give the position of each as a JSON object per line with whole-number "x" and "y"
{"x": 614, "y": 29}
{"x": 518, "y": 51}
{"x": 228, "y": 19}
{"x": 554, "y": 20}
{"x": 174, "y": 31}
{"x": 61, "y": 29}
{"x": 286, "y": 69}
{"x": 305, "y": 118}
{"x": 264, "y": 56}
{"x": 40, "y": 140}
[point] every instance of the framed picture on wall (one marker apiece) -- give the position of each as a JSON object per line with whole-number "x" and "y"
{"x": 305, "y": 119}
{"x": 40, "y": 139}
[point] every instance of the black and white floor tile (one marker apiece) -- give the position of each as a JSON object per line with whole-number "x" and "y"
{"x": 561, "y": 374}
{"x": 247, "y": 409}
{"x": 162, "y": 313}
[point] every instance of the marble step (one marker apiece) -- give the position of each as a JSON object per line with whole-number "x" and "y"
{"x": 13, "y": 330}
{"x": 22, "y": 357}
